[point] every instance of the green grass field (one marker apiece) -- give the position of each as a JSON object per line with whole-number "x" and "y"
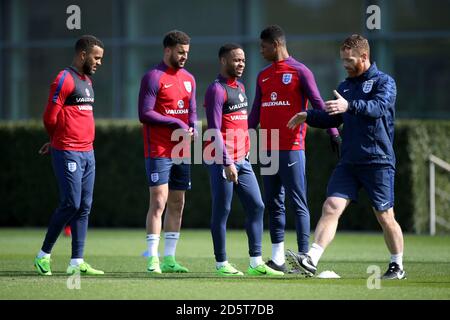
{"x": 118, "y": 253}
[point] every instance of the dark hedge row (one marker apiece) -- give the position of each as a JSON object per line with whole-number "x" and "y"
{"x": 28, "y": 190}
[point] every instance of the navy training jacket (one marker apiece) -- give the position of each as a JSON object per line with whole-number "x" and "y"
{"x": 368, "y": 132}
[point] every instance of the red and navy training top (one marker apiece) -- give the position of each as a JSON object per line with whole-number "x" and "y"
{"x": 226, "y": 111}
{"x": 282, "y": 90}
{"x": 166, "y": 103}
{"x": 69, "y": 117}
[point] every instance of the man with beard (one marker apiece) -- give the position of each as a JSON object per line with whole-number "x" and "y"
{"x": 365, "y": 104}
{"x": 228, "y": 164}
{"x": 69, "y": 121}
{"x": 167, "y": 108}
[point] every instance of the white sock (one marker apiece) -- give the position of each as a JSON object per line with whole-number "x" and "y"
{"x": 152, "y": 244}
{"x": 315, "y": 252}
{"x": 170, "y": 243}
{"x": 221, "y": 264}
{"x": 278, "y": 253}
{"x": 76, "y": 262}
{"x": 42, "y": 254}
{"x": 256, "y": 261}
{"x": 398, "y": 259}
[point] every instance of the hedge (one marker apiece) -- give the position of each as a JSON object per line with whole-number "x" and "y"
{"x": 29, "y": 192}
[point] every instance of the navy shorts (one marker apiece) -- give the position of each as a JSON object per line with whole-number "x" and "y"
{"x": 377, "y": 180}
{"x": 163, "y": 170}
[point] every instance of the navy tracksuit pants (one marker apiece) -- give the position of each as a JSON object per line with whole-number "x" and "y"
{"x": 290, "y": 179}
{"x": 75, "y": 173}
{"x": 248, "y": 192}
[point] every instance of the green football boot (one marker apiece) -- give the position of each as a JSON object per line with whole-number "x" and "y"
{"x": 83, "y": 269}
{"x": 228, "y": 271}
{"x": 169, "y": 265}
{"x": 43, "y": 266}
{"x": 153, "y": 265}
{"x": 263, "y": 270}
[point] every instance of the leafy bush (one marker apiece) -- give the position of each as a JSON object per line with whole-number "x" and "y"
{"x": 29, "y": 192}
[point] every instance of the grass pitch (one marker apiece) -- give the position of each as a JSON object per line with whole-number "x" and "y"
{"x": 118, "y": 253}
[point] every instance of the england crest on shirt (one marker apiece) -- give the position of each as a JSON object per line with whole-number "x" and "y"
{"x": 287, "y": 78}
{"x": 188, "y": 86}
{"x": 367, "y": 86}
{"x": 154, "y": 177}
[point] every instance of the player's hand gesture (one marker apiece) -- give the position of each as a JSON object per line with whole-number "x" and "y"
{"x": 44, "y": 149}
{"x": 340, "y": 105}
{"x": 231, "y": 173}
{"x": 296, "y": 120}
